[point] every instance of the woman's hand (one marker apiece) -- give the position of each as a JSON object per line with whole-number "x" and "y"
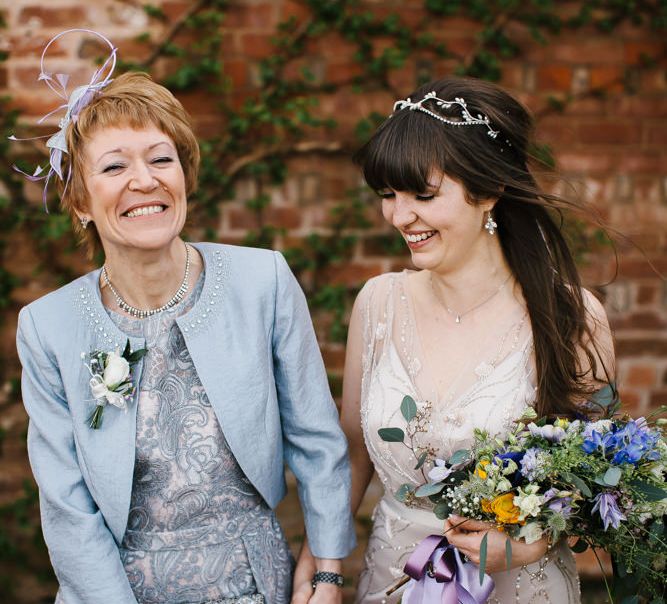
{"x": 302, "y": 589}
{"x": 466, "y": 535}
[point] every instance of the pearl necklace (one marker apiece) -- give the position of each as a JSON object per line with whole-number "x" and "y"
{"x": 459, "y": 315}
{"x": 142, "y": 314}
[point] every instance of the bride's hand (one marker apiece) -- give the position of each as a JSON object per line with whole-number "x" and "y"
{"x": 467, "y": 534}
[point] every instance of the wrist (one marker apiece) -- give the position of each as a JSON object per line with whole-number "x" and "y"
{"x": 330, "y": 565}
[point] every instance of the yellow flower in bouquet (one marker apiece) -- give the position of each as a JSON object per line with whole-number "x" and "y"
{"x": 479, "y": 470}
{"x": 505, "y": 510}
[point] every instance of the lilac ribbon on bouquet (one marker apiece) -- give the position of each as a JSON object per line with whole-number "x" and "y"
{"x": 74, "y": 103}
{"x": 440, "y": 576}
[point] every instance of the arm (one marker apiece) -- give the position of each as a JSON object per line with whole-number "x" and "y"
{"x": 315, "y": 447}
{"x": 83, "y": 552}
{"x": 361, "y": 466}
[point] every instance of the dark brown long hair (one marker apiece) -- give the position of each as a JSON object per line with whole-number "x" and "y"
{"x": 411, "y": 144}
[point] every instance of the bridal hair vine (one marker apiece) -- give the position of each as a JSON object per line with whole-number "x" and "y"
{"x": 467, "y": 119}
{"x": 74, "y": 103}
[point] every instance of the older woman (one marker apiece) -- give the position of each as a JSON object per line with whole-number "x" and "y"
{"x": 158, "y": 475}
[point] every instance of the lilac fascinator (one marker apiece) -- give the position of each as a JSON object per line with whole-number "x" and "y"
{"x": 74, "y": 102}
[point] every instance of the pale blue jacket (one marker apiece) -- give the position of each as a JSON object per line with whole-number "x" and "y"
{"x": 252, "y": 343}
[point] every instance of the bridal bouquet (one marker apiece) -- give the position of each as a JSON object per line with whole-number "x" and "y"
{"x": 600, "y": 483}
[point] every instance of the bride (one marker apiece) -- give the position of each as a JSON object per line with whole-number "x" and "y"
{"x": 493, "y": 318}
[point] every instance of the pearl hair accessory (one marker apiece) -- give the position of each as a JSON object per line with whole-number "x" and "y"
{"x": 139, "y": 313}
{"x": 467, "y": 118}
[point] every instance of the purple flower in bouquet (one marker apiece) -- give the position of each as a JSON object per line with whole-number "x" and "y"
{"x": 558, "y": 504}
{"x": 531, "y": 463}
{"x": 606, "y": 504}
{"x": 554, "y": 434}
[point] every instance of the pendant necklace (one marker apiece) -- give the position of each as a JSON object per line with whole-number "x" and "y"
{"x": 459, "y": 315}
{"x": 142, "y": 314}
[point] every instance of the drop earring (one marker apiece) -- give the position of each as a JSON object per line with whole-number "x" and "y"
{"x": 490, "y": 225}
{"x": 84, "y": 220}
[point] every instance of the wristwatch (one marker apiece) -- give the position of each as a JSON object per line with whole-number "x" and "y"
{"x": 325, "y": 576}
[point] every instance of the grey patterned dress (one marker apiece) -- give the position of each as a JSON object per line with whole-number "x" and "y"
{"x": 198, "y": 531}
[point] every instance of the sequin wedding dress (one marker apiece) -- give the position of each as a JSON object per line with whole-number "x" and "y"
{"x": 488, "y": 393}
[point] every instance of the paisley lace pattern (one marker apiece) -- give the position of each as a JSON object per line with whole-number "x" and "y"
{"x": 496, "y": 387}
{"x": 198, "y": 531}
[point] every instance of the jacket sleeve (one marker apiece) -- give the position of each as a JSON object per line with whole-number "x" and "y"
{"x": 84, "y": 555}
{"x": 314, "y": 443}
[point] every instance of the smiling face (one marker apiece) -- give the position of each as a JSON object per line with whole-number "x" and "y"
{"x": 136, "y": 188}
{"x": 442, "y": 229}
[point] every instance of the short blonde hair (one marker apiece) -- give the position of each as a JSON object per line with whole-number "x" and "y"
{"x": 131, "y": 100}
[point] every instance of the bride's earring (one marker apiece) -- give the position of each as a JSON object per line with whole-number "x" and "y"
{"x": 490, "y": 224}
{"x": 84, "y": 220}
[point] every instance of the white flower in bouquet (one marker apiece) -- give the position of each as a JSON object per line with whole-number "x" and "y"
{"x": 528, "y": 501}
{"x": 531, "y": 532}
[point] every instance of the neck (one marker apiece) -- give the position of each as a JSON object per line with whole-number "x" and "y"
{"x": 147, "y": 279}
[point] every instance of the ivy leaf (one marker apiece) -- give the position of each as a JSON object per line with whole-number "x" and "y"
{"x": 482, "y": 557}
{"x": 579, "y": 483}
{"x": 508, "y": 553}
{"x": 429, "y": 489}
{"x": 391, "y": 435}
{"x": 421, "y": 460}
{"x": 408, "y": 408}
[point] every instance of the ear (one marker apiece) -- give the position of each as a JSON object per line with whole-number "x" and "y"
{"x": 488, "y": 204}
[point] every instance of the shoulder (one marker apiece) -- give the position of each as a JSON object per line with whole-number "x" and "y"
{"x": 236, "y": 254}
{"x": 377, "y": 288}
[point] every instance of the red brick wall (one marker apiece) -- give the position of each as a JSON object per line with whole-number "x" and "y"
{"x": 612, "y": 144}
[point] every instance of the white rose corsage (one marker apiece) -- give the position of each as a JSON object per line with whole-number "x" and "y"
{"x": 111, "y": 379}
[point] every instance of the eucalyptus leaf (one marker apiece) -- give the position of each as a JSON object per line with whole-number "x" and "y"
{"x": 508, "y": 553}
{"x": 605, "y": 396}
{"x": 421, "y": 460}
{"x": 482, "y": 557}
{"x": 408, "y": 408}
{"x": 442, "y": 510}
{"x": 459, "y": 456}
{"x": 579, "y": 483}
{"x": 613, "y": 475}
{"x": 391, "y": 435}
{"x": 429, "y": 489}
{"x": 579, "y": 547}
{"x": 403, "y": 492}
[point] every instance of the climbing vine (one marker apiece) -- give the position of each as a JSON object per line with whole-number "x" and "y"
{"x": 280, "y": 118}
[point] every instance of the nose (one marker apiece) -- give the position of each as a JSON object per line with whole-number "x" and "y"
{"x": 404, "y": 213}
{"x": 142, "y": 178}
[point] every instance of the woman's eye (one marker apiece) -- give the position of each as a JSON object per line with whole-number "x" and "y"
{"x": 386, "y": 194}
{"x": 426, "y": 197}
{"x": 112, "y": 168}
{"x": 163, "y": 160}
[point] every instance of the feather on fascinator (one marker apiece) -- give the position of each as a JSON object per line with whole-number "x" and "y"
{"x": 73, "y": 104}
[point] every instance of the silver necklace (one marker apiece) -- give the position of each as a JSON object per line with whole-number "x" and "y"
{"x": 459, "y": 315}
{"x": 142, "y": 314}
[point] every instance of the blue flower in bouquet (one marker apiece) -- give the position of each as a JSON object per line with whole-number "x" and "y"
{"x": 629, "y": 443}
{"x": 605, "y": 504}
{"x": 506, "y": 459}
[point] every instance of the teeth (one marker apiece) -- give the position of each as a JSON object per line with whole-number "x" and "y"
{"x": 420, "y": 237}
{"x": 145, "y": 211}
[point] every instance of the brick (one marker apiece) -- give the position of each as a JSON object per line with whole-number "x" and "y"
{"x": 638, "y": 52}
{"x": 283, "y": 217}
{"x": 237, "y": 72}
{"x": 62, "y": 16}
{"x": 609, "y": 132}
{"x": 256, "y": 16}
{"x": 292, "y": 8}
{"x": 607, "y": 77}
{"x": 3, "y": 77}
{"x": 655, "y": 133}
{"x": 631, "y": 401}
{"x": 175, "y": 10}
{"x": 629, "y": 347}
{"x": 641, "y": 376}
{"x": 33, "y": 45}
{"x": 342, "y": 73}
{"x": 554, "y": 77}
{"x": 351, "y": 274}
{"x": 256, "y": 46}
{"x": 333, "y": 356}
{"x": 242, "y": 218}
{"x": 595, "y": 49}
{"x": 647, "y": 294}
{"x": 586, "y": 163}
{"x": 658, "y": 398}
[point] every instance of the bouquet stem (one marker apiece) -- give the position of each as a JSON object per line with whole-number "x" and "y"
{"x": 95, "y": 419}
